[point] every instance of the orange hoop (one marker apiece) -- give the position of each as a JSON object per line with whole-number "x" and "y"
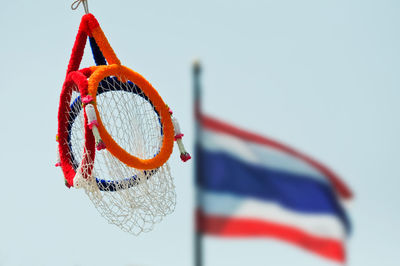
{"x": 165, "y": 118}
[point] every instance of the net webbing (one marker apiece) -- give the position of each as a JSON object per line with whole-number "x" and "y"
{"x": 130, "y": 198}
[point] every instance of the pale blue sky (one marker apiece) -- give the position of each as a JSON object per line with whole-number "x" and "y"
{"x": 322, "y": 76}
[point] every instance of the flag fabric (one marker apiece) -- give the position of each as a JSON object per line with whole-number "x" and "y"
{"x": 252, "y": 186}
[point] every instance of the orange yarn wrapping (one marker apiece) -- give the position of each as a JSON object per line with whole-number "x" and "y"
{"x": 166, "y": 122}
{"x": 105, "y": 46}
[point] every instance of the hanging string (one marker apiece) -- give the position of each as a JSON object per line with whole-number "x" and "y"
{"x": 76, "y": 4}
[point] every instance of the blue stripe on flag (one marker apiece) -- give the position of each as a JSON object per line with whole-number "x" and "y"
{"x": 221, "y": 172}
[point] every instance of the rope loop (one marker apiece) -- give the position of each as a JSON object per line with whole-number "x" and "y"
{"x": 76, "y": 4}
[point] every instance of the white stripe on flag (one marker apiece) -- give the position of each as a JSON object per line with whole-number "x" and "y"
{"x": 257, "y": 154}
{"x": 321, "y": 225}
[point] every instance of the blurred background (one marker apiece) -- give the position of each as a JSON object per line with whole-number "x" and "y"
{"x": 321, "y": 76}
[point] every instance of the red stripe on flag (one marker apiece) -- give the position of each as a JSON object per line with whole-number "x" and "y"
{"x": 240, "y": 227}
{"x": 222, "y": 127}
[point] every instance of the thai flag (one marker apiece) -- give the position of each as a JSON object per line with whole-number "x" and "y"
{"x": 252, "y": 186}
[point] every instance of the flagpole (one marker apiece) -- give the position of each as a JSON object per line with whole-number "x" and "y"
{"x": 198, "y": 238}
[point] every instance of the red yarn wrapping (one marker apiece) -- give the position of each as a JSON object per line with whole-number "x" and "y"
{"x": 88, "y": 23}
{"x": 86, "y": 71}
{"x": 74, "y": 78}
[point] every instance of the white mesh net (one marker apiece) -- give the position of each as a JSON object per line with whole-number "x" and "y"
{"x": 132, "y": 199}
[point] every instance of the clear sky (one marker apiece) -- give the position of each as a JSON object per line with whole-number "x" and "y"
{"x": 322, "y": 76}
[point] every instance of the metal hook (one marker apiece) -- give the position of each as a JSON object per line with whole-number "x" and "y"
{"x": 76, "y": 4}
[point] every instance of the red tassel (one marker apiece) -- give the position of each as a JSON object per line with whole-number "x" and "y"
{"x": 185, "y": 157}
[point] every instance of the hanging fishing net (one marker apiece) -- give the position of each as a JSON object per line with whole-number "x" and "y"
{"x": 115, "y": 137}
